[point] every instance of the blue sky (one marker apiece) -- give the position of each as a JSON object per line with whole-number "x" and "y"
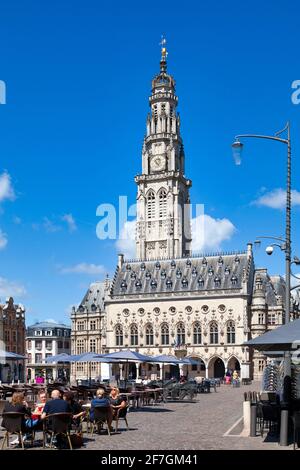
{"x": 78, "y": 76}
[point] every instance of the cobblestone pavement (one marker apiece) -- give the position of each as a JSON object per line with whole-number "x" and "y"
{"x": 185, "y": 426}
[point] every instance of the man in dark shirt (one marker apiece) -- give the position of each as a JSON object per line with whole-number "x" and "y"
{"x": 56, "y": 405}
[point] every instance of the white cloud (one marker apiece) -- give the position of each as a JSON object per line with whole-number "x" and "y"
{"x": 69, "y": 219}
{"x": 17, "y": 220}
{"x": 50, "y": 226}
{"x": 6, "y": 189}
{"x": 11, "y": 288}
{"x": 3, "y": 240}
{"x": 208, "y": 233}
{"x": 126, "y": 242}
{"x": 83, "y": 268}
{"x": 276, "y": 199}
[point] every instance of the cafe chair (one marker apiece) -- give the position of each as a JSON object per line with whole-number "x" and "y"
{"x": 57, "y": 424}
{"x": 101, "y": 414}
{"x": 13, "y": 424}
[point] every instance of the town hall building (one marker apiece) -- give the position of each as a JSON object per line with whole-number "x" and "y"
{"x": 169, "y": 300}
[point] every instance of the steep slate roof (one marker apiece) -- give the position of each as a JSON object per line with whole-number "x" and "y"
{"x": 94, "y": 297}
{"x": 204, "y": 273}
{"x": 49, "y": 325}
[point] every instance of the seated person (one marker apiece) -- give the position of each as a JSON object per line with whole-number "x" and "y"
{"x": 36, "y": 414}
{"x": 102, "y": 401}
{"x": 117, "y": 401}
{"x": 17, "y": 405}
{"x": 76, "y": 408}
{"x": 56, "y": 405}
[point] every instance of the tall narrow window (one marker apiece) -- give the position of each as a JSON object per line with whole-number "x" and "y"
{"x": 92, "y": 345}
{"x": 214, "y": 333}
{"x": 230, "y": 332}
{"x": 134, "y": 335}
{"x": 162, "y": 204}
{"x": 149, "y": 335}
{"x": 180, "y": 334}
{"x": 165, "y": 338}
{"x": 197, "y": 333}
{"x": 119, "y": 335}
{"x": 151, "y": 205}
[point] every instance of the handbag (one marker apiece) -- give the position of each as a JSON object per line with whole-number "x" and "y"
{"x": 76, "y": 439}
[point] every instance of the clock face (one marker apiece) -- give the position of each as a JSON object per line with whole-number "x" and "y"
{"x": 158, "y": 163}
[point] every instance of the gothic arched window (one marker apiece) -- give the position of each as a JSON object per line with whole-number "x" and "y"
{"x": 165, "y": 338}
{"x": 149, "y": 335}
{"x": 214, "y": 333}
{"x": 231, "y": 332}
{"x": 162, "y": 203}
{"x": 151, "y": 205}
{"x": 197, "y": 333}
{"x": 119, "y": 335}
{"x": 180, "y": 334}
{"x": 134, "y": 338}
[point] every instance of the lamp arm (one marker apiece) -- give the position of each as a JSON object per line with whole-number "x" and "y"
{"x": 257, "y": 136}
{"x": 272, "y": 238}
{"x": 295, "y": 287}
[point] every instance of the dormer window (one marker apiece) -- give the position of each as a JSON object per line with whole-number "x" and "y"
{"x": 93, "y": 307}
{"x": 169, "y": 283}
{"x": 237, "y": 260}
{"x": 123, "y": 285}
{"x": 133, "y": 275}
{"x": 157, "y": 265}
{"x": 204, "y": 261}
{"x": 227, "y": 270}
{"x": 194, "y": 272}
{"x": 217, "y": 281}
{"x": 178, "y": 273}
{"x": 173, "y": 264}
{"x": 234, "y": 280}
{"x": 184, "y": 282}
{"x": 201, "y": 281}
{"x": 163, "y": 274}
{"x": 153, "y": 284}
{"x": 210, "y": 271}
{"x": 128, "y": 267}
{"x": 138, "y": 284}
{"x": 220, "y": 261}
{"x": 148, "y": 275}
{"x": 188, "y": 263}
{"x": 143, "y": 267}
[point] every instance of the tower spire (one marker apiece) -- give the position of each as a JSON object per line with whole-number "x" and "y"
{"x": 164, "y": 54}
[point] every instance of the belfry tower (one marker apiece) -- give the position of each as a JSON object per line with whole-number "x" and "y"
{"x": 163, "y": 211}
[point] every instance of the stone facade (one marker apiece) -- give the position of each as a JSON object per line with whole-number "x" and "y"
{"x": 169, "y": 301}
{"x": 12, "y": 327}
{"x": 43, "y": 340}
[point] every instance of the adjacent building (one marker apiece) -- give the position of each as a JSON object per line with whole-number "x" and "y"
{"x": 12, "y": 340}
{"x": 44, "y": 340}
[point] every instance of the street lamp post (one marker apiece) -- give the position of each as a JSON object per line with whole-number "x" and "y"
{"x": 237, "y": 147}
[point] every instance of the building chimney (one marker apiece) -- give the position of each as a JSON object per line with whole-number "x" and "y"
{"x": 249, "y": 249}
{"x": 120, "y": 260}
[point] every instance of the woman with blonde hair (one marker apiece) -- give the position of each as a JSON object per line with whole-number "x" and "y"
{"x": 117, "y": 401}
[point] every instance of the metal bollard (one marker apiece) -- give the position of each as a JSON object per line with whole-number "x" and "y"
{"x": 253, "y": 420}
{"x": 284, "y": 428}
